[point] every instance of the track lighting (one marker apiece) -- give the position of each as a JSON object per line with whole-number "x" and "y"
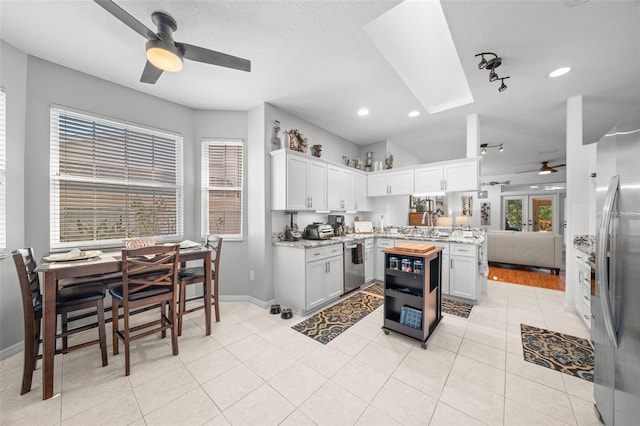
{"x": 484, "y": 146}
{"x": 491, "y": 65}
{"x": 503, "y": 86}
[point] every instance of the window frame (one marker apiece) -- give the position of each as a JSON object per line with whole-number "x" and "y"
{"x": 56, "y": 178}
{"x": 3, "y": 173}
{"x": 206, "y": 189}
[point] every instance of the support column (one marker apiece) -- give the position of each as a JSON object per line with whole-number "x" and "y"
{"x": 473, "y": 135}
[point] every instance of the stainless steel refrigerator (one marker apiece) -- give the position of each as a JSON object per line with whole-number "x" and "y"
{"x": 615, "y": 307}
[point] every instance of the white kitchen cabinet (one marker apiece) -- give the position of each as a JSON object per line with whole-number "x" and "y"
{"x": 297, "y": 183}
{"x": 306, "y": 279}
{"x": 361, "y": 201}
{"x": 390, "y": 183}
{"x": 451, "y": 176}
{"x": 368, "y": 260}
{"x": 445, "y": 277}
{"x": 583, "y": 287}
{"x": 463, "y": 271}
{"x": 381, "y": 245}
{"x": 340, "y": 188}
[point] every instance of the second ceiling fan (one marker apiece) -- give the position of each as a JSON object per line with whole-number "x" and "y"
{"x": 545, "y": 169}
{"x": 165, "y": 54}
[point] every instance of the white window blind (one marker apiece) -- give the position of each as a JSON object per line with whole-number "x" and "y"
{"x": 222, "y": 204}
{"x": 3, "y": 173}
{"x": 112, "y": 180}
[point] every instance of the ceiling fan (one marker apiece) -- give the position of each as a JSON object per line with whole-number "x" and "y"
{"x": 165, "y": 54}
{"x": 545, "y": 169}
{"x": 495, "y": 182}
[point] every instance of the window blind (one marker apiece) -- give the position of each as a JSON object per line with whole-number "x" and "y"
{"x": 112, "y": 180}
{"x": 222, "y": 193}
{"x": 3, "y": 173}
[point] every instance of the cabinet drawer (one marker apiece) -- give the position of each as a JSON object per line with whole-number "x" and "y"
{"x": 315, "y": 254}
{"x": 463, "y": 250}
{"x": 368, "y": 244}
{"x": 333, "y": 250}
{"x": 385, "y": 243}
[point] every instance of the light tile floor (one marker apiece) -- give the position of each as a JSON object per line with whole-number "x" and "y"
{"x": 255, "y": 370}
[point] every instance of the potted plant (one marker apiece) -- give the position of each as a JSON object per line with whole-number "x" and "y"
{"x": 419, "y": 203}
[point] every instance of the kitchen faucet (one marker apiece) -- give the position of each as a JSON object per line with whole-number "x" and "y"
{"x": 428, "y": 220}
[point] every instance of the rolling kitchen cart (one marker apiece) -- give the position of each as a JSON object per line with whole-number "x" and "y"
{"x": 412, "y": 297}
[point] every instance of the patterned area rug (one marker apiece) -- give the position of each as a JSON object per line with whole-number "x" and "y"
{"x": 375, "y": 290}
{"x": 455, "y": 307}
{"x": 329, "y": 323}
{"x": 561, "y": 352}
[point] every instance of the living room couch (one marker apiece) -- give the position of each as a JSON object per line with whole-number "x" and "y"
{"x": 538, "y": 249}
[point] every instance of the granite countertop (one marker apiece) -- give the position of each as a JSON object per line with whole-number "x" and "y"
{"x": 356, "y": 237}
{"x": 585, "y": 243}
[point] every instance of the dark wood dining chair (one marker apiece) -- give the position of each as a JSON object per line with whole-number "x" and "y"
{"x": 68, "y": 299}
{"x": 195, "y": 275}
{"x": 149, "y": 277}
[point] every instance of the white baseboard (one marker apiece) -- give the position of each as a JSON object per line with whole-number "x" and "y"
{"x": 11, "y": 350}
{"x": 246, "y": 298}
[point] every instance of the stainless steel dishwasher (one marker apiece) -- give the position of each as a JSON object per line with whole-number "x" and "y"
{"x": 353, "y": 265}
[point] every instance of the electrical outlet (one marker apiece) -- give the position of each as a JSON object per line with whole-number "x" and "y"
{"x": 252, "y": 276}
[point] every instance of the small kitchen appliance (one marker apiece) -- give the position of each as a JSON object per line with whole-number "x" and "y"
{"x": 318, "y": 231}
{"x": 337, "y": 222}
{"x": 292, "y": 233}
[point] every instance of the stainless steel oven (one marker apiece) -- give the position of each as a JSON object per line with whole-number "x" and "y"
{"x": 353, "y": 265}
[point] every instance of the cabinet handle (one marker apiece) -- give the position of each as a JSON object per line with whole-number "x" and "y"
{"x": 450, "y": 263}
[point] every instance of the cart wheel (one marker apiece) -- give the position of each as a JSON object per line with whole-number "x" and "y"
{"x": 424, "y": 345}
{"x": 386, "y": 331}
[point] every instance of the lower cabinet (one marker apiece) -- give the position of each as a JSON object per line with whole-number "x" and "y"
{"x": 446, "y": 268}
{"x": 463, "y": 270}
{"x": 306, "y": 279}
{"x": 368, "y": 260}
{"x": 381, "y": 245}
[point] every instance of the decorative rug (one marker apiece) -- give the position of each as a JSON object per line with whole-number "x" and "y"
{"x": 455, "y": 307}
{"x": 375, "y": 290}
{"x": 561, "y": 352}
{"x": 326, "y": 325}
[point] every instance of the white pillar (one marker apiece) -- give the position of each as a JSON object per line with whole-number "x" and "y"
{"x": 473, "y": 135}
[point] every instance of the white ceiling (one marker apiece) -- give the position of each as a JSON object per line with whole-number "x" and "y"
{"x": 314, "y": 59}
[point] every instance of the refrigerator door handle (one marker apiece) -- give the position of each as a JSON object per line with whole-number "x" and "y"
{"x": 601, "y": 257}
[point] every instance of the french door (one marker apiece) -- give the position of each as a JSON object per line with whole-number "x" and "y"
{"x": 530, "y": 213}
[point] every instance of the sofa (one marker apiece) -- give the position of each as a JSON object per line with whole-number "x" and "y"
{"x": 538, "y": 249}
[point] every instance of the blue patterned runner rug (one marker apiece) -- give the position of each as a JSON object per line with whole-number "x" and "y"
{"x": 326, "y": 325}
{"x": 558, "y": 351}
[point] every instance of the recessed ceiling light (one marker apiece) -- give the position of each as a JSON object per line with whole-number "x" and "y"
{"x": 533, "y": 186}
{"x": 413, "y": 114}
{"x": 559, "y": 72}
{"x": 362, "y": 112}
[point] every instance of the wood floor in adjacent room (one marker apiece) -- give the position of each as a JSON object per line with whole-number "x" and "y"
{"x": 532, "y": 277}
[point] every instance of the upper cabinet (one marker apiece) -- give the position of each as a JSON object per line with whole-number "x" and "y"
{"x": 451, "y": 176}
{"x": 297, "y": 182}
{"x": 340, "y": 188}
{"x": 390, "y": 183}
{"x": 361, "y": 201}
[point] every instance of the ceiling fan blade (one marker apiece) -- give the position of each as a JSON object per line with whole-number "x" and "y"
{"x": 200, "y": 54}
{"x": 558, "y": 165}
{"x": 150, "y": 74}
{"x": 528, "y": 171}
{"x": 127, "y": 19}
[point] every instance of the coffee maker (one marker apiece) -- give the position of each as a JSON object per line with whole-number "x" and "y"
{"x": 292, "y": 233}
{"x": 337, "y": 222}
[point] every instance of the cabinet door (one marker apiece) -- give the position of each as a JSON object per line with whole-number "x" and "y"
{"x": 428, "y": 179}
{"x": 368, "y": 265}
{"x": 401, "y": 183}
{"x": 462, "y": 278}
{"x": 348, "y": 191}
{"x": 461, "y": 176}
{"x": 316, "y": 272}
{"x": 297, "y": 183}
{"x": 444, "y": 278}
{"x": 317, "y": 185}
{"x": 334, "y": 188}
{"x": 377, "y": 185}
{"x": 360, "y": 199}
{"x": 334, "y": 284}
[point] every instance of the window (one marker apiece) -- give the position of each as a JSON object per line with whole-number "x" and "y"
{"x": 222, "y": 164}
{"x": 112, "y": 180}
{"x": 3, "y": 174}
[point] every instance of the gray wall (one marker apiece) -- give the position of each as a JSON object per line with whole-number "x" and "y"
{"x": 13, "y": 77}
{"x": 32, "y": 86}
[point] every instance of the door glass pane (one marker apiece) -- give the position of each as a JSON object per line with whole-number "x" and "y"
{"x": 513, "y": 214}
{"x": 542, "y": 214}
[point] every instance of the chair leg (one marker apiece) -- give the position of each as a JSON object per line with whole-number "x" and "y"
{"x": 163, "y": 320}
{"x": 125, "y": 331}
{"x": 65, "y": 327}
{"x": 174, "y": 326}
{"x": 101, "y": 331}
{"x": 215, "y": 298}
{"x": 30, "y": 350}
{"x": 114, "y": 325}
{"x": 183, "y": 306}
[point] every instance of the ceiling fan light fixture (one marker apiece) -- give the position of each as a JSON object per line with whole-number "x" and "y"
{"x": 483, "y": 149}
{"x": 164, "y": 56}
{"x": 559, "y": 72}
{"x": 493, "y": 76}
{"x": 503, "y": 86}
{"x": 501, "y": 149}
{"x": 545, "y": 172}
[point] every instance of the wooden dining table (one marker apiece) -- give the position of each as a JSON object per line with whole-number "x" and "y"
{"x": 107, "y": 264}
